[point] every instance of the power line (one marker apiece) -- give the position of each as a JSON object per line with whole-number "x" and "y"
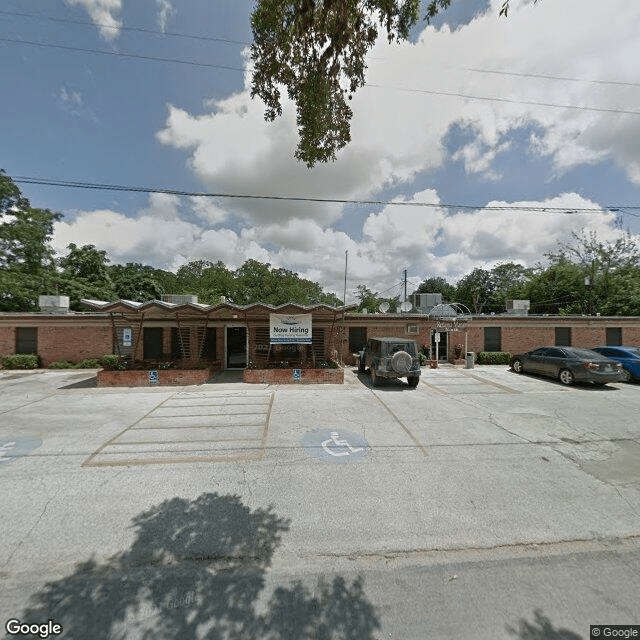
{"x": 123, "y": 28}
{"x": 403, "y": 203}
{"x": 551, "y": 77}
{"x": 122, "y": 55}
{"x": 456, "y": 94}
{"x": 370, "y": 85}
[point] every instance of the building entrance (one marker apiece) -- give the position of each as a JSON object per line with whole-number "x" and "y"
{"x": 236, "y": 357}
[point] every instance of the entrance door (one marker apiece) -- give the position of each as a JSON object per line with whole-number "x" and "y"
{"x": 236, "y": 347}
{"x": 442, "y": 347}
{"x": 152, "y": 343}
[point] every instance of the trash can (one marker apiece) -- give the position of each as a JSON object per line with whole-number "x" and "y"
{"x": 470, "y": 357}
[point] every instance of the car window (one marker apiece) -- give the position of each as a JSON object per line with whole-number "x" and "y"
{"x": 556, "y": 353}
{"x": 539, "y": 352}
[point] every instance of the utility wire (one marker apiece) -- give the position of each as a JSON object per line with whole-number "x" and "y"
{"x": 370, "y": 85}
{"x": 122, "y": 55}
{"x": 203, "y": 194}
{"x": 123, "y": 28}
{"x": 245, "y": 43}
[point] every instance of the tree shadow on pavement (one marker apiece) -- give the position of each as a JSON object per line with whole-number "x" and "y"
{"x": 195, "y": 571}
{"x": 541, "y": 629}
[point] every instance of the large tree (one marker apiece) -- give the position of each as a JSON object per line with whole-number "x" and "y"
{"x": 316, "y": 50}
{"x": 26, "y": 256}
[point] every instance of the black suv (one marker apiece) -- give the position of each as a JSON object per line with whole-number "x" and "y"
{"x": 390, "y": 358}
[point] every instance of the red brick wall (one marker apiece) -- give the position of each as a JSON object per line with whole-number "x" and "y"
{"x": 168, "y": 377}
{"x": 7, "y": 341}
{"x": 73, "y": 344}
{"x": 285, "y": 376}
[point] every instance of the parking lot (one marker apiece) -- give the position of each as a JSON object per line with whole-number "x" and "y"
{"x": 480, "y": 459}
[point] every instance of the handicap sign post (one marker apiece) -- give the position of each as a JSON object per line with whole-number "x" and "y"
{"x": 335, "y": 445}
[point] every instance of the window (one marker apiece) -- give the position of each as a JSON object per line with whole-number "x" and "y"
{"x": 492, "y": 339}
{"x": 563, "y": 336}
{"x": 26, "y": 340}
{"x": 614, "y": 336}
{"x": 357, "y": 339}
{"x": 413, "y": 328}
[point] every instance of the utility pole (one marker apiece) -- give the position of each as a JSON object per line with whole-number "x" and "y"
{"x": 344, "y": 297}
{"x": 405, "y": 285}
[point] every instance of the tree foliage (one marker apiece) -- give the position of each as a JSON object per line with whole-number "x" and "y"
{"x": 316, "y": 50}
{"x": 26, "y": 256}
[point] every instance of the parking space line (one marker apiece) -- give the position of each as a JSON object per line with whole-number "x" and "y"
{"x": 104, "y": 455}
{"x": 415, "y": 440}
{"x": 491, "y": 382}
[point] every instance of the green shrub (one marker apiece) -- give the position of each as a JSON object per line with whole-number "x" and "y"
{"x": 493, "y": 357}
{"x": 21, "y": 361}
{"x": 113, "y": 362}
{"x": 91, "y": 363}
{"x": 62, "y": 365}
{"x": 422, "y": 358}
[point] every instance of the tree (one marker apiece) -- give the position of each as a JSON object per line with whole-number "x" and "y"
{"x": 476, "y": 289}
{"x": 137, "y": 282}
{"x": 371, "y": 301}
{"x": 602, "y": 264}
{"x": 438, "y": 285}
{"x": 85, "y": 274}
{"x": 317, "y": 49}
{"x": 26, "y": 256}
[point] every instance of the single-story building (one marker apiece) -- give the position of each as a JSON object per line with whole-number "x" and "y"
{"x": 230, "y": 336}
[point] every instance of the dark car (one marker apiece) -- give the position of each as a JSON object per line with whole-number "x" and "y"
{"x": 628, "y": 357}
{"x": 390, "y": 358}
{"x": 569, "y": 364}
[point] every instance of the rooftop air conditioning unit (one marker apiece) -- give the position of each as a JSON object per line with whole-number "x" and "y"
{"x": 179, "y": 299}
{"x": 518, "y": 307}
{"x": 53, "y": 304}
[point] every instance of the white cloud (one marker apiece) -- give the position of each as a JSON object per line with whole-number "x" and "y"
{"x": 72, "y": 102}
{"x": 165, "y": 11}
{"x": 399, "y": 129}
{"x": 102, "y": 13}
{"x": 428, "y": 241}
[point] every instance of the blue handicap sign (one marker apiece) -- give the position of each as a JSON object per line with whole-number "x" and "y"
{"x": 335, "y": 445}
{"x": 153, "y": 376}
{"x": 297, "y": 374}
{"x": 13, "y": 448}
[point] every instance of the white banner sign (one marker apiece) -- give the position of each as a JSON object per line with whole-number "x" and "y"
{"x": 290, "y": 329}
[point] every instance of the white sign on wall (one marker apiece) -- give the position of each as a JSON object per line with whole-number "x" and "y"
{"x": 290, "y": 329}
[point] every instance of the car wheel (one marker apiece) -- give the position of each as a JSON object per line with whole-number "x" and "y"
{"x": 565, "y": 376}
{"x": 517, "y": 366}
{"x": 413, "y": 381}
{"x": 627, "y": 375}
{"x": 374, "y": 377}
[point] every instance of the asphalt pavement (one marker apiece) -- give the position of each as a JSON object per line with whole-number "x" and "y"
{"x": 481, "y": 504}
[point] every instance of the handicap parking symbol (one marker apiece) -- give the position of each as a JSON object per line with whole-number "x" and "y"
{"x": 153, "y": 376}
{"x": 297, "y": 374}
{"x": 335, "y": 445}
{"x": 13, "y": 448}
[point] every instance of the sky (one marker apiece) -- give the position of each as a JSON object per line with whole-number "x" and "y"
{"x": 490, "y": 140}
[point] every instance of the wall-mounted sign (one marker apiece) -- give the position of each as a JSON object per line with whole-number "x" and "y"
{"x": 127, "y": 336}
{"x": 290, "y": 329}
{"x": 153, "y": 376}
{"x": 297, "y": 374}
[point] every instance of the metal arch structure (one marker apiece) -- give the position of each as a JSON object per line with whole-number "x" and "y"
{"x": 450, "y": 316}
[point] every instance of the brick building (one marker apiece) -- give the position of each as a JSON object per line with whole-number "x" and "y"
{"x": 230, "y": 336}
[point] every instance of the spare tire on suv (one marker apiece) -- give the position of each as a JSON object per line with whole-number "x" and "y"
{"x": 391, "y": 358}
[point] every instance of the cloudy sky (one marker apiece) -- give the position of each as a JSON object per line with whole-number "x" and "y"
{"x": 530, "y": 124}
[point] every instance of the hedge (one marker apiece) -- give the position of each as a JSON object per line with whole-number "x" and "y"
{"x": 493, "y": 357}
{"x": 21, "y": 361}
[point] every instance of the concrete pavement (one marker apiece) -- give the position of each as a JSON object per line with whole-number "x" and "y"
{"x": 476, "y": 472}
